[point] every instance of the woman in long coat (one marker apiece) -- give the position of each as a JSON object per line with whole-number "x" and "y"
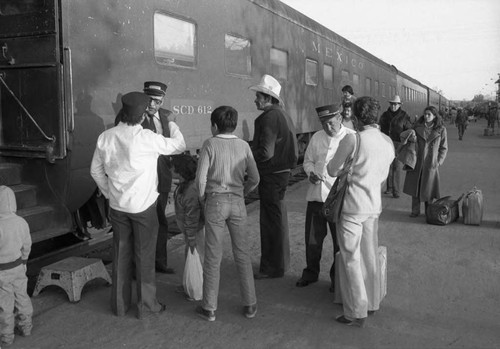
{"x": 422, "y": 184}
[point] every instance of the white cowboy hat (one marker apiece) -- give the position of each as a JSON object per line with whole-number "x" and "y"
{"x": 269, "y": 86}
{"x": 396, "y": 99}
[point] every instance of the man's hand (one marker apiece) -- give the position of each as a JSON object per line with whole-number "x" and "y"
{"x": 314, "y": 178}
{"x": 192, "y": 244}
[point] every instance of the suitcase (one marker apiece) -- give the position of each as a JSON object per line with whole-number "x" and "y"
{"x": 472, "y": 207}
{"x": 488, "y": 132}
{"x": 443, "y": 211}
{"x": 378, "y": 297}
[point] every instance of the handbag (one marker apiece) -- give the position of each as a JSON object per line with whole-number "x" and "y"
{"x": 332, "y": 207}
{"x": 192, "y": 279}
{"x": 443, "y": 211}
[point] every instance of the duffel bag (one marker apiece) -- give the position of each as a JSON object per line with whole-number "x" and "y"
{"x": 443, "y": 211}
{"x": 472, "y": 207}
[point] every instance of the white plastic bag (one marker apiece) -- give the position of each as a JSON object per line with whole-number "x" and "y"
{"x": 192, "y": 280}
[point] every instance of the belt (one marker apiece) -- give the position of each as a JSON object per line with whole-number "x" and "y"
{"x": 11, "y": 265}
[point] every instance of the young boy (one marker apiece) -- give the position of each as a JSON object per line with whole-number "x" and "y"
{"x": 224, "y": 161}
{"x": 15, "y": 246}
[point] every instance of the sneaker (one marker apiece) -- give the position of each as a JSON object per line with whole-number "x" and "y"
{"x": 208, "y": 315}
{"x": 249, "y": 311}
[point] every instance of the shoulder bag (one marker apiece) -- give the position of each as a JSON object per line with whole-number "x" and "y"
{"x": 335, "y": 200}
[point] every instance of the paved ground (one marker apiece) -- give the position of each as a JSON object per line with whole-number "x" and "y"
{"x": 443, "y": 284}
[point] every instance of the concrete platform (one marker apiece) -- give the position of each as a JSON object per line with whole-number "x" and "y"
{"x": 443, "y": 284}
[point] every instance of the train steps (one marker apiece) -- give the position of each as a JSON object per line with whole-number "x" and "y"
{"x": 43, "y": 218}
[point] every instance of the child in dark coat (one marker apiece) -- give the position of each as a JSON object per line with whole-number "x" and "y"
{"x": 16, "y": 310}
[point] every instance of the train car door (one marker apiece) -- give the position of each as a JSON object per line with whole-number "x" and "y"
{"x": 32, "y": 121}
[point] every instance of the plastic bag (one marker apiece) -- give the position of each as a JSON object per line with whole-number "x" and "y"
{"x": 192, "y": 280}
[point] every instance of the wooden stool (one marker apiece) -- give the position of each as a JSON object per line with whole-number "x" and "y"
{"x": 71, "y": 274}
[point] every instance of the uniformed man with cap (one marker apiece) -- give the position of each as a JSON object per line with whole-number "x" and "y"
{"x": 274, "y": 148}
{"x": 129, "y": 182}
{"x": 321, "y": 149}
{"x": 157, "y": 121}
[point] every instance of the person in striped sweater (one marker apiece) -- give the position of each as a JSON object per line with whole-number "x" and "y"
{"x": 224, "y": 162}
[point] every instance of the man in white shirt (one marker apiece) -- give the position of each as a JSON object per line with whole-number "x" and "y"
{"x": 320, "y": 151}
{"x": 124, "y": 167}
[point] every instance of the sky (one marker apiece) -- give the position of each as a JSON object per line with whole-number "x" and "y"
{"x": 449, "y": 45}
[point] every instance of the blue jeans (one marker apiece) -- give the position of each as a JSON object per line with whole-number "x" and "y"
{"x": 221, "y": 211}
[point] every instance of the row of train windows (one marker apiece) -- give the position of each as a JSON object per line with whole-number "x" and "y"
{"x": 175, "y": 45}
{"x": 411, "y": 95}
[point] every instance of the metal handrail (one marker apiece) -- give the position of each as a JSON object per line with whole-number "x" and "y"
{"x": 51, "y": 139}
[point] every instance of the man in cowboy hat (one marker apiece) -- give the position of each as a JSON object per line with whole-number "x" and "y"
{"x": 130, "y": 183}
{"x": 157, "y": 121}
{"x": 274, "y": 148}
{"x": 392, "y": 122}
{"x": 321, "y": 149}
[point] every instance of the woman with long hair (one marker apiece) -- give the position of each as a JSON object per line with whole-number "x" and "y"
{"x": 422, "y": 183}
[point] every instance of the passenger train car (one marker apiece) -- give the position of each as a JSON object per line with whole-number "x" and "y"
{"x": 65, "y": 65}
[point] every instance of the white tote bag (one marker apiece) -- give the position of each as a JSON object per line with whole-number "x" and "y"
{"x": 192, "y": 280}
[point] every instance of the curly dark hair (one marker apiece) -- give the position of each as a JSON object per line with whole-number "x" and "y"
{"x": 366, "y": 110}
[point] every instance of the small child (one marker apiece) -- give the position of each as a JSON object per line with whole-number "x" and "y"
{"x": 16, "y": 310}
{"x": 188, "y": 210}
{"x": 225, "y": 161}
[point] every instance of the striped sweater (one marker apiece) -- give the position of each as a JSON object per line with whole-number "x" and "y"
{"x": 224, "y": 162}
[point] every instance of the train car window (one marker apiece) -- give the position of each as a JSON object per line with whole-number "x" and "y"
{"x": 237, "y": 57}
{"x": 345, "y": 77}
{"x": 20, "y": 7}
{"x": 328, "y": 76}
{"x": 368, "y": 86}
{"x": 383, "y": 89}
{"x": 311, "y": 72}
{"x": 279, "y": 64}
{"x": 376, "y": 92}
{"x": 174, "y": 41}
{"x": 355, "y": 82}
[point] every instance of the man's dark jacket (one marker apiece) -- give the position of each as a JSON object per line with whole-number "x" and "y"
{"x": 392, "y": 124}
{"x": 274, "y": 143}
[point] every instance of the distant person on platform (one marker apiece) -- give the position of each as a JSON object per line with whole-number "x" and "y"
{"x": 16, "y": 310}
{"x": 394, "y": 121}
{"x": 157, "y": 121}
{"x": 319, "y": 152}
{"x": 348, "y": 94}
{"x": 461, "y": 121}
{"x": 493, "y": 116}
{"x": 274, "y": 148}
{"x": 124, "y": 166}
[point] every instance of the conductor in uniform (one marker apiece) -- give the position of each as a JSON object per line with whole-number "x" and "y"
{"x": 157, "y": 121}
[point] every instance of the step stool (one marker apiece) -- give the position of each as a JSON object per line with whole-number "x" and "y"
{"x": 71, "y": 274}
